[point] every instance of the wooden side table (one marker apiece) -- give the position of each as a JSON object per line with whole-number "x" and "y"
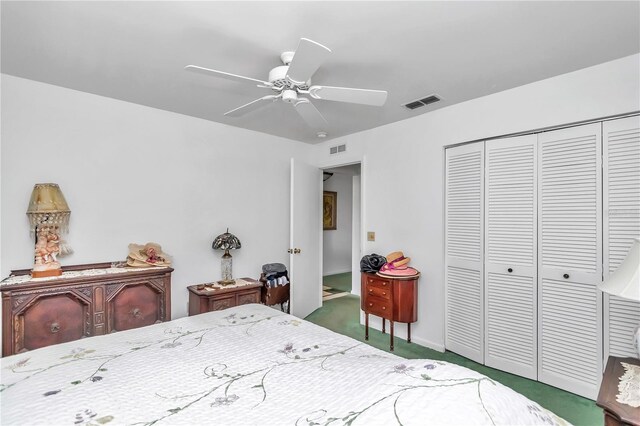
{"x": 616, "y": 413}
{"x": 393, "y": 299}
{"x": 214, "y": 297}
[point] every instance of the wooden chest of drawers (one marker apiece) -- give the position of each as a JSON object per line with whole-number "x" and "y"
{"x": 87, "y": 300}
{"x": 205, "y": 299}
{"x": 393, "y": 299}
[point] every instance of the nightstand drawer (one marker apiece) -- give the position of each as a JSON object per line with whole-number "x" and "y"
{"x": 378, "y": 282}
{"x": 381, "y": 292}
{"x": 219, "y": 303}
{"x": 247, "y": 297}
{"x": 378, "y": 306}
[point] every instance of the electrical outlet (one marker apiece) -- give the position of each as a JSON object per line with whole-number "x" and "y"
{"x": 371, "y": 236}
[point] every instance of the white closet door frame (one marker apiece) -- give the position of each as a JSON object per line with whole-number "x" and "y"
{"x": 510, "y": 277}
{"x": 464, "y": 329}
{"x": 621, "y": 198}
{"x": 569, "y": 332}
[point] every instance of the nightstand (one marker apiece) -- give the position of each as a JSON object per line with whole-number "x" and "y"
{"x": 214, "y": 297}
{"x": 394, "y": 299}
{"x": 616, "y": 413}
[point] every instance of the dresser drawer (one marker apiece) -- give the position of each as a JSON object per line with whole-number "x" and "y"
{"x": 220, "y": 303}
{"x": 378, "y": 282}
{"x": 377, "y": 306}
{"x": 381, "y": 292}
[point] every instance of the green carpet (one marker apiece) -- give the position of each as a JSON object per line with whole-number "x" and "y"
{"x": 341, "y": 282}
{"x": 342, "y": 316}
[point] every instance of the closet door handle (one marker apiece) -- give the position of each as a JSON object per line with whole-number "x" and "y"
{"x": 566, "y": 276}
{"x": 510, "y": 270}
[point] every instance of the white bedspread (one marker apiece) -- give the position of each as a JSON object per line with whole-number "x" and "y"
{"x": 249, "y": 365}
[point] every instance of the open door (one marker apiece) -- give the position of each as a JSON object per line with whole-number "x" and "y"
{"x": 305, "y": 258}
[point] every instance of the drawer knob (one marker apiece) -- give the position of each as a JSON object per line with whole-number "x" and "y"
{"x": 510, "y": 270}
{"x": 384, "y": 293}
{"x": 55, "y": 327}
{"x": 566, "y": 276}
{"x": 370, "y": 304}
{"x": 370, "y": 291}
{"x": 384, "y": 308}
{"x": 384, "y": 284}
{"x": 136, "y": 312}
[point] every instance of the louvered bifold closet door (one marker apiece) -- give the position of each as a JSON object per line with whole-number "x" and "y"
{"x": 621, "y": 150}
{"x": 570, "y": 259}
{"x": 464, "y": 248}
{"x": 510, "y": 255}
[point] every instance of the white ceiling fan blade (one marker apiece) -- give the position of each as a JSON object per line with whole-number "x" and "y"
{"x": 222, "y": 74}
{"x": 310, "y": 114}
{"x": 251, "y": 106}
{"x": 307, "y": 59}
{"x": 347, "y": 94}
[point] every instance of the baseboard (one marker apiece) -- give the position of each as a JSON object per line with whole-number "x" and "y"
{"x": 429, "y": 344}
{"x": 376, "y": 323}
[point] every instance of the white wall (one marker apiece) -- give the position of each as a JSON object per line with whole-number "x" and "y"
{"x": 135, "y": 174}
{"x": 403, "y": 177}
{"x": 336, "y": 249}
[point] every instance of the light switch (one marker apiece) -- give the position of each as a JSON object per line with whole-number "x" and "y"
{"x": 371, "y": 236}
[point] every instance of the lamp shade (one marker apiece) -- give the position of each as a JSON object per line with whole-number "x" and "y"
{"x": 48, "y": 207}
{"x": 625, "y": 281}
{"x": 47, "y": 198}
{"x": 226, "y": 242}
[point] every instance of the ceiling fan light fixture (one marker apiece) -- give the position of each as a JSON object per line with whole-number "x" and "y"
{"x": 289, "y": 95}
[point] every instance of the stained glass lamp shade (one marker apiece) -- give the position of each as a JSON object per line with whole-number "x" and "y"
{"x": 226, "y": 242}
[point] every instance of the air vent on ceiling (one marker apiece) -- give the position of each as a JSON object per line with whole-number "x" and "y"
{"x": 337, "y": 149}
{"x": 422, "y": 102}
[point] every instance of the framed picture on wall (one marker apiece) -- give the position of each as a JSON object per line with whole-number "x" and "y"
{"x": 329, "y": 209}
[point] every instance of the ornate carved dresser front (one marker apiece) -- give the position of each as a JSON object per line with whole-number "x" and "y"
{"x": 86, "y": 300}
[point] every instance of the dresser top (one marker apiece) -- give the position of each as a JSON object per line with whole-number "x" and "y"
{"x": 208, "y": 289}
{"x": 76, "y": 272}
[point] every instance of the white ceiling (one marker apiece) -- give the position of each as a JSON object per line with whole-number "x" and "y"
{"x": 136, "y": 51}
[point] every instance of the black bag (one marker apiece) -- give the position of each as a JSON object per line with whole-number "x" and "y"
{"x": 271, "y": 268}
{"x": 372, "y": 263}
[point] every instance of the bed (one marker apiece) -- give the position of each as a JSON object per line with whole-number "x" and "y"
{"x": 249, "y": 365}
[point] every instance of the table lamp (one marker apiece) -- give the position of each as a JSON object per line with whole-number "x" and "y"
{"x": 625, "y": 282}
{"x": 48, "y": 214}
{"x": 226, "y": 242}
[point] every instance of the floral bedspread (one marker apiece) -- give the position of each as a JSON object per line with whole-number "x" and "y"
{"x": 250, "y": 365}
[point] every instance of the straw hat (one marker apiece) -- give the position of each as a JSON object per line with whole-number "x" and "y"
{"x": 146, "y": 255}
{"x": 397, "y": 260}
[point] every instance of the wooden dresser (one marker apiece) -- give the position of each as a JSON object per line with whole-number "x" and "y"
{"x": 86, "y": 300}
{"x": 205, "y": 297}
{"x": 393, "y": 299}
{"x": 616, "y": 413}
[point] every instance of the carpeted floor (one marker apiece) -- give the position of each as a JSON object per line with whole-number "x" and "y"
{"x": 342, "y": 316}
{"x": 341, "y": 282}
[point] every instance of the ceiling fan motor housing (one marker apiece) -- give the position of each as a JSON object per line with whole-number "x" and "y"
{"x": 278, "y": 77}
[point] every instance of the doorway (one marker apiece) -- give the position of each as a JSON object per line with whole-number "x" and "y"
{"x": 341, "y": 231}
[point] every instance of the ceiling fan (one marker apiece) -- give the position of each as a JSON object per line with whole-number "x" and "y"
{"x": 293, "y": 79}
